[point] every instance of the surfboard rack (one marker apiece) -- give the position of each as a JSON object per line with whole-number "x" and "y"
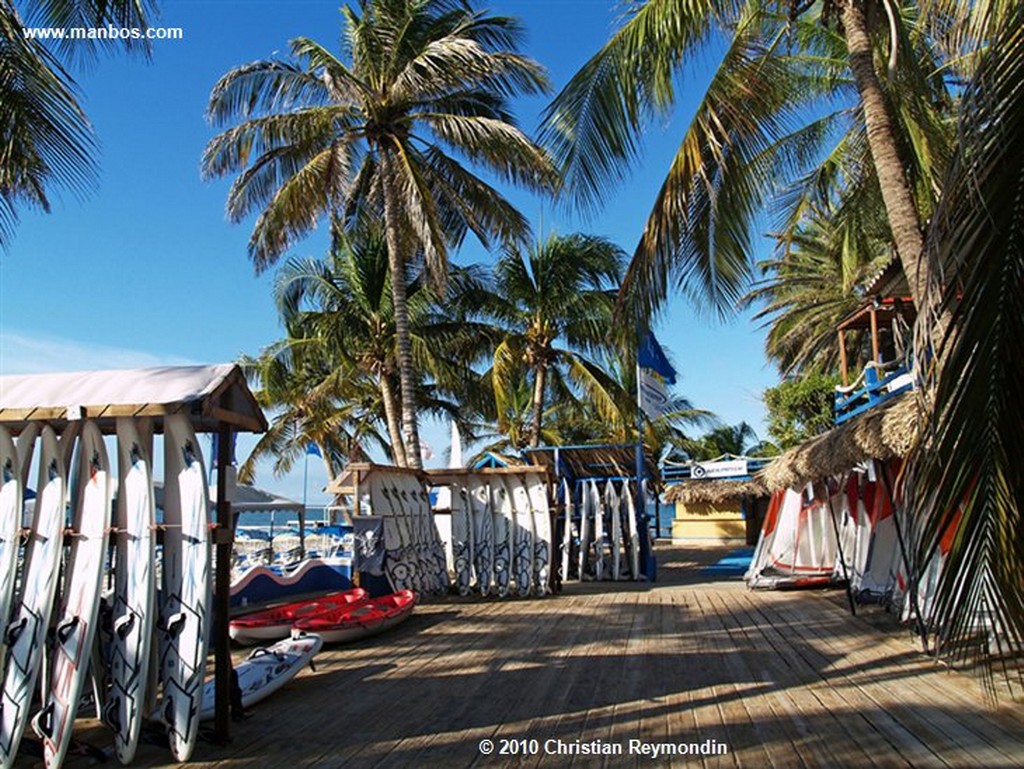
{"x": 215, "y": 399}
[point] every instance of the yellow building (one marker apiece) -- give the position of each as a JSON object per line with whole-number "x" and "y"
{"x": 717, "y": 511}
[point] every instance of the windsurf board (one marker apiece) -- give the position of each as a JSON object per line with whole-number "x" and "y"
{"x": 184, "y": 622}
{"x": 501, "y": 506}
{"x": 11, "y": 501}
{"x": 30, "y": 619}
{"x": 134, "y": 604}
{"x": 483, "y": 533}
{"x": 78, "y": 612}
{"x": 522, "y": 533}
{"x": 266, "y": 670}
{"x": 538, "y": 493}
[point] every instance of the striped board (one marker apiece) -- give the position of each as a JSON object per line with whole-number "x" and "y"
{"x": 184, "y": 622}
{"x": 11, "y": 501}
{"x": 405, "y": 512}
{"x": 399, "y": 572}
{"x": 265, "y": 671}
{"x": 436, "y": 544}
{"x": 462, "y": 539}
{"x": 483, "y": 533}
{"x": 31, "y": 615}
{"x": 78, "y": 611}
{"x": 538, "y": 493}
{"x": 134, "y": 602}
{"x": 522, "y": 533}
{"x": 501, "y": 507}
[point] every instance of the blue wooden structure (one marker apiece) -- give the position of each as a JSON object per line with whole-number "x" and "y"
{"x": 888, "y": 372}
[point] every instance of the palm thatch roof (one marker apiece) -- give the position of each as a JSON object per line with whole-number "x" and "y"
{"x": 714, "y": 492}
{"x": 882, "y": 433}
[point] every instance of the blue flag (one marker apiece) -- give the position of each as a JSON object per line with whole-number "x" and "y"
{"x": 312, "y": 448}
{"x": 649, "y": 355}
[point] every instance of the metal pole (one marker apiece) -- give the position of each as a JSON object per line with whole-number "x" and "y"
{"x": 641, "y": 503}
{"x": 839, "y": 545}
{"x": 911, "y": 575}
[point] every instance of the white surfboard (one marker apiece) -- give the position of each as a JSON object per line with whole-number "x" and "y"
{"x": 611, "y": 501}
{"x": 31, "y": 616}
{"x": 11, "y": 501}
{"x": 501, "y": 506}
{"x": 462, "y": 539}
{"x": 522, "y": 533}
{"x": 78, "y": 612}
{"x": 538, "y": 492}
{"x": 586, "y": 515}
{"x": 134, "y": 604}
{"x": 185, "y": 610}
{"x": 600, "y": 513}
{"x": 567, "y": 508}
{"x": 483, "y": 534}
{"x": 266, "y": 670}
{"x": 633, "y": 531}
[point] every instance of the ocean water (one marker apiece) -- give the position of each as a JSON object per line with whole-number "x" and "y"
{"x": 279, "y": 518}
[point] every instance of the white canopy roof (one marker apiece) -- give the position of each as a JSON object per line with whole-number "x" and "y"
{"x": 210, "y": 395}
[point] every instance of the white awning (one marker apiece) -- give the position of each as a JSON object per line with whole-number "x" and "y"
{"x": 210, "y": 395}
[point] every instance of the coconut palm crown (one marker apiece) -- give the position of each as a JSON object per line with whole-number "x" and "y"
{"x": 383, "y": 131}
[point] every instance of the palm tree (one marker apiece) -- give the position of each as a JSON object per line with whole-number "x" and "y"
{"x": 344, "y": 306}
{"x": 46, "y": 137}
{"x": 374, "y": 137}
{"x": 739, "y": 440}
{"x": 554, "y": 302}
{"x": 751, "y": 129}
{"x": 313, "y": 401}
{"x": 814, "y": 282}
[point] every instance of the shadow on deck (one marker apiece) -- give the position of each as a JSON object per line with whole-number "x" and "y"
{"x": 781, "y": 679}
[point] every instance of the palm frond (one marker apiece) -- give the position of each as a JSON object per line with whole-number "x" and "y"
{"x": 971, "y": 456}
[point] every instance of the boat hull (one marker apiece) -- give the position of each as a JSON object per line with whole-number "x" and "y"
{"x": 366, "y": 619}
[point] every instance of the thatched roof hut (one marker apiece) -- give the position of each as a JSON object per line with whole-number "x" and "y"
{"x": 714, "y": 492}
{"x": 882, "y": 433}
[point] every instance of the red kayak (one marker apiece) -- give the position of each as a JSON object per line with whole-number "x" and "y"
{"x": 276, "y": 623}
{"x": 348, "y": 623}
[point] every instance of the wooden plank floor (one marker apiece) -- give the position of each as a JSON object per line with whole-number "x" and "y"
{"x": 781, "y": 679}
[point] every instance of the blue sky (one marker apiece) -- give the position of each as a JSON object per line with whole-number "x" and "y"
{"x": 147, "y": 271}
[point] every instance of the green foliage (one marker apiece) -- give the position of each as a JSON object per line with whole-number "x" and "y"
{"x": 46, "y": 140}
{"x": 965, "y": 481}
{"x": 801, "y": 408}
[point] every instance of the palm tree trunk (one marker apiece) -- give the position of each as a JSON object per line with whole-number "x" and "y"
{"x": 396, "y": 264}
{"x": 329, "y": 468}
{"x": 391, "y": 417}
{"x": 904, "y": 220}
{"x": 538, "y": 403}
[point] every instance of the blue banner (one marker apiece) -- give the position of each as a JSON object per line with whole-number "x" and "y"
{"x": 649, "y": 355}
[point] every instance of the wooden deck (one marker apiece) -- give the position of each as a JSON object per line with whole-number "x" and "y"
{"x": 781, "y": 679}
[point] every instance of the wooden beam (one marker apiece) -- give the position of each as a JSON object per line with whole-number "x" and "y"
{"x": 843, "y": 363}
{"x": 874, "y": 335}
